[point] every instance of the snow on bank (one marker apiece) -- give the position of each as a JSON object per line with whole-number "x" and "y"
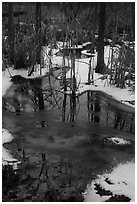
{"x": 6, "y": 83}
{"x": 7, "y": 158}
{"x": 125, "y": 95}
{"x": 121, "y": 181}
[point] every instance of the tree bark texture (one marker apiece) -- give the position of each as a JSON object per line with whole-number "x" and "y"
{"x": 11, "y": 34}
{"x": 100, "y": 58}
{"x": 133, "y": 20}
{"x": 38, "y": 32}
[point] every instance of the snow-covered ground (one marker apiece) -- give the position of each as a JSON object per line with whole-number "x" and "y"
{"x": 124, "y": 95}
{"x": 7, "y": 158}
{"x": 7, "y": 137}
{"x": 6, "y": 83}
{"x": 121, "y": 181}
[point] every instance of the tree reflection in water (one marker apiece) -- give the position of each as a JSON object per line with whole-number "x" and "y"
{"x": 93, "y": 106}
{"x": 69, "y": 106}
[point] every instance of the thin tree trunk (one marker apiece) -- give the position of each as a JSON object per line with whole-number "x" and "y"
{"x": 63, "y": 66}
{"x": 91, "y": 68}
{"x": 38, "y": 33}
{"x": 100, "y": 59}
{"x": 133, "y": 20}
{"x": 11, "y": 34}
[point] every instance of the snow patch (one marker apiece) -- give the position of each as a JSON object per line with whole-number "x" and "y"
{"x": 6, "y": 83}
{"x": 7, "y": 158}
{"x": 118, "y": 141}
{"x": 122, "y": 182}
{"x": 6, "y": 136}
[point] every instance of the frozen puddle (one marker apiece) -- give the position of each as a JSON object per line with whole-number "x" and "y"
{"x": 114, "y": 186}
{"x": 7, "y": 158}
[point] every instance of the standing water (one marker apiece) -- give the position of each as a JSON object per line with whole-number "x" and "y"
{"x": 86, "y": 129}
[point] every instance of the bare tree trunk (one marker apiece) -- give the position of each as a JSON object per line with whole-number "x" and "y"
{"x": 38, "y": 33}
{"x": 11, "y": 34}
{"x": 73, "y": 78}
{"x": 73, "y": 64}
{"x": 91, "y": 68}
{"x": 133, "y": 19}
{"x": 100, "y": 59}
{"x": 64, "y": 65}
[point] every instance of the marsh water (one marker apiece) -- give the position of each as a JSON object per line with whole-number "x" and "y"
{"x": 73, "y": 128}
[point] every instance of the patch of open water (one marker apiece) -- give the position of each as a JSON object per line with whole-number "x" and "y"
{"x": 72, "y": 128}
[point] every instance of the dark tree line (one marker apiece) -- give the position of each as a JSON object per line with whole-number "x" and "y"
{"x": 79, "y": 20}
